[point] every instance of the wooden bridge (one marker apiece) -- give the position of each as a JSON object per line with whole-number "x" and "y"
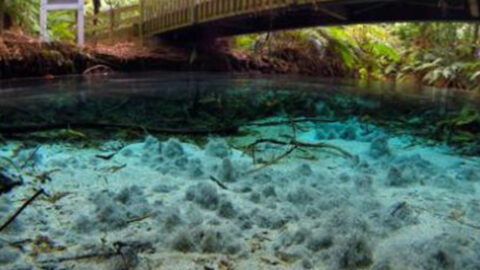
{"x": 197, "y": 19}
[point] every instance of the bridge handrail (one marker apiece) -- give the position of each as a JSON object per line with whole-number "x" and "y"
{"x": 158, "y": 16}
{"x": 106, "y": 23}
{"x": 165, "y": 15}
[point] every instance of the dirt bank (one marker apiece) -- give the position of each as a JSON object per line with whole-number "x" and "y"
{"x": 24, "y": 56}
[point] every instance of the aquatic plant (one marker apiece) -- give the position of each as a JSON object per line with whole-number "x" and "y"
{"x": 205, "y": 194}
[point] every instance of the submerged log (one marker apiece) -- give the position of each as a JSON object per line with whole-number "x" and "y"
{"x": 32, "y": 128}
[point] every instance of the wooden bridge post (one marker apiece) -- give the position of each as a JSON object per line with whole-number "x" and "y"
{"x": 474, "y": 8}
{"x": 2, "y": 7}
{"x": 193, "y": 11}
{"x": 141, "y": 22}
{"x": 112, "y": 24}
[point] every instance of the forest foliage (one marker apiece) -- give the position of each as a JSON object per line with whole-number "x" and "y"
{"x": 24, "y": 14}
{"x": 438, "y": 54}
{"x": 434, "y": 53}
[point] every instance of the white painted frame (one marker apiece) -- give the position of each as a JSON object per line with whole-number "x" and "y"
{"x": 45, "y": 7}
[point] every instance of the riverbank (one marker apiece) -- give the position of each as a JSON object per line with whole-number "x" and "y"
{"x": 23, "y": 56}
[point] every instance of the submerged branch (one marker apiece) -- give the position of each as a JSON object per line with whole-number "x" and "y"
{"x": 20, "y": 210}
{"x": 30, "y": 157}
{"x": 93, "y": 255}
{"x": 218, "y": 182}
{"x": 294, "y": 146}
{"x": 274, "y": 161}
{"x": 137, "y": 219}
{"x": 302, "y": 144}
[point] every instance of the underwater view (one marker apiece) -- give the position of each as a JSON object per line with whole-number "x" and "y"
{"x": 221, "y": 172}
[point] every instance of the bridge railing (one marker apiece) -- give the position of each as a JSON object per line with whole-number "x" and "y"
{"x": 157, "y": 16}
{"x": 165, "y": 15}
{"x": 121, "y": 23}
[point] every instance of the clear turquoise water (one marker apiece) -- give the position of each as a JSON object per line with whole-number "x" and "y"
{"x": 202, "y": 171}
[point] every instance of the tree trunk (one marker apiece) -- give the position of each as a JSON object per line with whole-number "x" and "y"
{"x": 476, "y": 30}
{"x": 97, "y": 4}
{"x": 475, "y": 35}
{"x": 2, "y": 12}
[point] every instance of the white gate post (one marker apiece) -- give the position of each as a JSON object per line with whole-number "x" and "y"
{"x": 51, "y": 5}
{"x": 43, "y": 20}
{"x": 81, "y": 23}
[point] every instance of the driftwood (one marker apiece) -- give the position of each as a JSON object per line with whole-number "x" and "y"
{"x": 31, "y": 128}
{"x": 98, "y": 70}
{"x": 20, "y": 210}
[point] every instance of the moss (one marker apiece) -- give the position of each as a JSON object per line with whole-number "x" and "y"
{"x": 183, "y": 242}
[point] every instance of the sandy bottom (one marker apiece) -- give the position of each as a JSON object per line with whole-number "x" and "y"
{"x": 389, "y": 203}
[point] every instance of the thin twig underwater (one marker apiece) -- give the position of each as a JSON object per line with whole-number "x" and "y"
{"x": 20, "y": 210}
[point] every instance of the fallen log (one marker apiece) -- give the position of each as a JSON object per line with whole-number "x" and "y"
{"x": 32, "y": 128}
{"x": 293, "y": 121}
